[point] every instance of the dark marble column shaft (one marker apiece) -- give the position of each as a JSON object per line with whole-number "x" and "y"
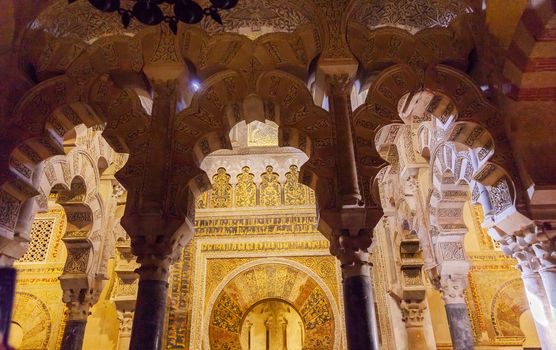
{"x": 74, "y": 332}
{"x": 148, "y": 321}
{"x": 7, "y": 293}
{"x": 460, "y": 326}
{"x": 360, "y": 313}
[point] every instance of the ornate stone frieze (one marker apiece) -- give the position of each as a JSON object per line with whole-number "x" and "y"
{"x": 257, "y": 17}
{"x": 412, "y": 15}
{"x": 451, "y": 251}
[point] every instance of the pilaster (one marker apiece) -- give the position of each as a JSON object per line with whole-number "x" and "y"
{"x": 124, "y": 295}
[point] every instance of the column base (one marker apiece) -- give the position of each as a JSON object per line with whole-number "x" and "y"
{"x": 360, "y": 313}
{"x": 74, "y": 332}
{"x": 148, "y": 321}
{"x": 460, "y": 326}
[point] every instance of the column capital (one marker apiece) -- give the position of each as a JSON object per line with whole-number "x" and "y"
{"x": 546, "y": 254}
{"x": 527, "y": 261}
{"x": 154, "y": 267}
{"x": 352, "y": 251}
{"x": 413, "y": 313}
{"x": 543, "y": 243}
{"x": 340, "y": 83}
{"x": 126, "y": 322}
{"x": 79, "y": 303}
{"x": 350, "y": 231}
{"x": 453, "y": 287}
{"x": 157, "y": 237}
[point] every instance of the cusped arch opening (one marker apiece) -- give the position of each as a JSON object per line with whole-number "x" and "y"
{"x": 283, "y": 280}
{"x": 275, "y": 322}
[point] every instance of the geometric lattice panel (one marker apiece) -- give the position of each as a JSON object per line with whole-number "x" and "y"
{"x": 41, "y": 231}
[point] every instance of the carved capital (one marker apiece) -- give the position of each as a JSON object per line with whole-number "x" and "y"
{"x": 352, "y": 251}
{"x": 79, "y": 302}
{"x": 350, "y": 234}
{"x": 117, "y": 190}
{"x": 126, "y": 321}
{"x": 453, "y": 288}
{"x": 413, "y": 313}
{"x": 546, "y": 254}
{"x": 154, "y": 267}
{"x": 339, "y": 83}
{"x": 527, "y": 261}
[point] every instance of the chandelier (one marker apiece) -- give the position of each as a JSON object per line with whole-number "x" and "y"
{"x": 149, "y": 12}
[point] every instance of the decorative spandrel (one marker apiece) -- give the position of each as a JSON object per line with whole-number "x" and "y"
{"x": 295, "y": 193}
{"x": 270, "y": 188}
{"x": 246, "y": 189}
{"x": 221, "y": 194}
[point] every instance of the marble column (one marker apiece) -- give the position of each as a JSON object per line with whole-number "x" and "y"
{"x": 461, "y": 333}
{"x": 359, "y": 307}
{"x": 539, "y": 306}
{"x": 548, "y": 275}
{"x": 413, "y": 318}
{"x": 150, "y": 308}
{"x": 350, "y": 225}
{"x": 7, "y": 293}
{"x": 74, "y": 333}
{"x": 536, "y": 293}
{"x": 546, "y": 253}
{"x": 360, "y": 313}
{"x": 79, "y": 303}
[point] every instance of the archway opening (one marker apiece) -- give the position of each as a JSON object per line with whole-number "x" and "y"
{"x": 272, "y": 324}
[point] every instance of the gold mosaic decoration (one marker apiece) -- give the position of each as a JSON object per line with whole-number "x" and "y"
{"x": 295, "y": 193}
{"x": 211, "y": 255}
{"x": 256, "y": 225}
{"x": 495, "y": 295}
{"x": 246, "y": 193}
{"x": 221, "y": 193}
{"x": 485, "y": 242}
{"x": 33, "y": 317}
{"x": 270, "y": 189}
{"x": 272, "y": 281}
{"x": 246, "y": 190}
{"x": 202, "y": 200}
